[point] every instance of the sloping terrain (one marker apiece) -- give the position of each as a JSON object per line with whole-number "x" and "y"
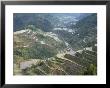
{"x": 67, "y": 50}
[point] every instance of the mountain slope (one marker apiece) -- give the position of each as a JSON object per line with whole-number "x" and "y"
{"x": 42, "y": 49}
{"x": 42, "y": 21}
{"x": 34, "y": 44}
{"x": 55, "y": 49}
{"x": 84, "y": 33}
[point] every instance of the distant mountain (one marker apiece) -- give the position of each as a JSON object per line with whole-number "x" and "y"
{"x": 43, "y": 21}
{"x": 78, "y": 16}
{"x": 85, "y": 31}
{"x": 83, "y": 15}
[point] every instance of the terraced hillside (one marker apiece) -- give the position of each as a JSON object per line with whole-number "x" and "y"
{"x": 67, "y": 48}
{"x": 43, "y": 53}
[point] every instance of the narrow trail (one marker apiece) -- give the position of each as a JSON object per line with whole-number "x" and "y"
{"x": 42, "y": 70}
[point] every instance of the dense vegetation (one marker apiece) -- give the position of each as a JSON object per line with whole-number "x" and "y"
{"x": 43, "y": 21}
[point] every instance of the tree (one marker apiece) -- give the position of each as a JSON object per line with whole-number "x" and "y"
{"x": 91, "y": 70}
